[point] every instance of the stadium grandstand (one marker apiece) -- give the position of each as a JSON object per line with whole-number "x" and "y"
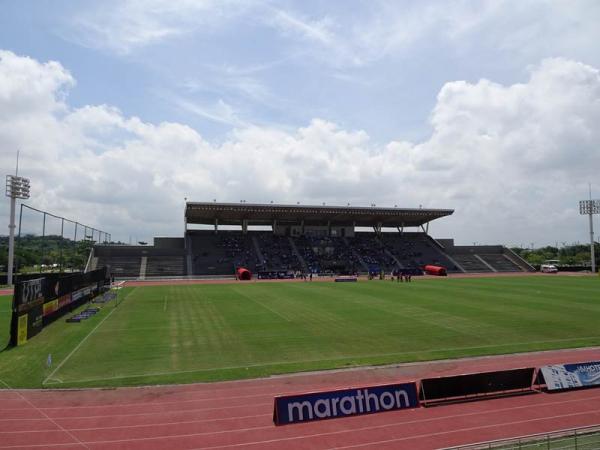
{"x": 282, "y": 240}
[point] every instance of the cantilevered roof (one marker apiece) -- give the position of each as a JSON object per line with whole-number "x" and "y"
{"x": 257, "y": 214}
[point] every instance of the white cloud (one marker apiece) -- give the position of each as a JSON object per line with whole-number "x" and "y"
{"x": 513, "y": 160}
{"x": 126, "y": 25}
{"x": 220, "y": 112}
{"x": 39, "y": 88}
{"x": 338, "y": 39}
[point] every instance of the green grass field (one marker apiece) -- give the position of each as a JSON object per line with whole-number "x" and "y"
{"x": 181, "y": 334}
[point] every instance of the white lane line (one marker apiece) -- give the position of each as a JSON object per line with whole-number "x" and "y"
{"x": 149, "y": 425}
{"x": 420, "y": 436}
{"x": 47, "y": 417}
{"x": 108, "y": 416}
{"x": 351, "y": 430}
{"x": 395, "y": 421}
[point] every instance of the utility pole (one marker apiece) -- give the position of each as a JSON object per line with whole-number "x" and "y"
{"x": 590, "y": 207}
{"x": 16, "y": 187}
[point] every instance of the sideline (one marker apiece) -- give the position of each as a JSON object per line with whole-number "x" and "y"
{"x": 49, "y": 377}
{"x": 358, "y": 367}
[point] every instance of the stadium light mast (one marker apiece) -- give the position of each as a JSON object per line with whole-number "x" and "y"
{"x": 590, "y": 207}
{"x": 16, "y": 187}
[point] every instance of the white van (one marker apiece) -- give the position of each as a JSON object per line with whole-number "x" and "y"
{"x": 549, "y": 268}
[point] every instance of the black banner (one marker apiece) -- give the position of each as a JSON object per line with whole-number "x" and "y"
{"x": 476, "y": 384}
{"x": 275, "y": 275}
{"x": 38, "y": 302}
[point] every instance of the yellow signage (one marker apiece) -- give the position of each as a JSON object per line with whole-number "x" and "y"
{"x": 22, "y": 329}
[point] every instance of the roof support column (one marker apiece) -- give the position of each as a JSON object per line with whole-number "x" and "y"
{"x": 377, "y": 228}
{"x": 274, "y": 225}
{"x": 328, "y": 228}
{"x": 244, "y": 226}
{"x": 216, "y": 225}
{"x": 425, "y": 229}
{"x": 302, "y": 227}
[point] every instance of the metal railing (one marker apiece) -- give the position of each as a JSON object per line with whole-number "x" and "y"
{"x": 584, "y": 438}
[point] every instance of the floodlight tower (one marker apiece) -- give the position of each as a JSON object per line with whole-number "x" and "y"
{"x": 16, "y": 187}
{"x": 590, "y": 207}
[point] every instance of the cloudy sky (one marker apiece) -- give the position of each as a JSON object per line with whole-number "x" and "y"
{"x": 123, "y": 108}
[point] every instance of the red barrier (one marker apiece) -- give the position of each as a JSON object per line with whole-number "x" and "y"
{"x": 435, "y": 270}
{"x": 243, "y": 274}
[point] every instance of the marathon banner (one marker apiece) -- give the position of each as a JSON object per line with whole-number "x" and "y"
{"x": 345, "y": 402}
{"x": 571, "y": 376}
{"x": 38, "y": 302}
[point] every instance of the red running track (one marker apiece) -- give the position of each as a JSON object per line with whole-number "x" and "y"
{"x": 238, "y": 414}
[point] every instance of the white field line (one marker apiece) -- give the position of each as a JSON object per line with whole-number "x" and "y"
{"x": 78, "y": 346}
{"x": 278, "y": 363}
{"x": 165, "y": 305}
{"x": 287, "y": 319}
{"x": 56, "y": 424}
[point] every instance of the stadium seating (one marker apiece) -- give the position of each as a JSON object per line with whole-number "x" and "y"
{"x": 325, "y": 254}
{"x": 416, "y": 250}
{"x": 134, "y": 261}
{"x": 121, "y": 266}
{"x": 486, "y": 258}
{"x": 500, "y": 263}
{"x": 211, "y": 254}
{"x": 471, "y": 263}
{"x": 162, "y": 266}
{"x": 277, "y": 252}
{"x": 372, "y": 252}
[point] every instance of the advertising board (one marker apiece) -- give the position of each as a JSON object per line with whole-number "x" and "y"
{"x": 571, "y": 376}
{"x": 39, "y": 301}
{"x": 345, "y": 402}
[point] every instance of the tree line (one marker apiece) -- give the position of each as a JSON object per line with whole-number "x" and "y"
{"x": 571, "y": 255}
{"x": 48, "y": 253}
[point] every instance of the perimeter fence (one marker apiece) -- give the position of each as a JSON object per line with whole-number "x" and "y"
{"x": 47, "y": 242}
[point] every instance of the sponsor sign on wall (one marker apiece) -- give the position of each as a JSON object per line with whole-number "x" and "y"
{"x": 29, "y": 298}
{"x": 345, "y": 402}
{"x": 571, "y": 376}
{"x": 38, "y": 301}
